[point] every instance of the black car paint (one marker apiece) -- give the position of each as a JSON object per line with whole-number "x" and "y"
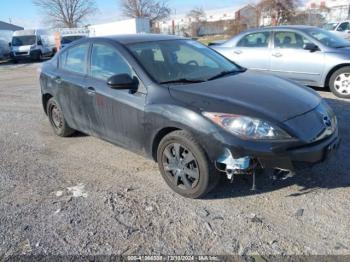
{"x": 138, "y": 120}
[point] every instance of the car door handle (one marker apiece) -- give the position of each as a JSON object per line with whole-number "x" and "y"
{"x": 277, "y": 55}
{"x": 238, "y": 52}
{"x": 90, "y": 91}
{"x": 58, "y": 80}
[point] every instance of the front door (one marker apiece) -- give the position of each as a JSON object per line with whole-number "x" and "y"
{"x": 253, "y": 51}
{"x": 119, "y": 113}
{"x": 290, "y": 60}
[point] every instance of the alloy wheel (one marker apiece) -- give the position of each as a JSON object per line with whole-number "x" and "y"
{"x": 342, "y": 84}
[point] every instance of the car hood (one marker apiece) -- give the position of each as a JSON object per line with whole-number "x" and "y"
{"x": 249, "y": 93}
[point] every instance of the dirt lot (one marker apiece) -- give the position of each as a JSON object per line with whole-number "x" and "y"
{"x": 84, "y": 196}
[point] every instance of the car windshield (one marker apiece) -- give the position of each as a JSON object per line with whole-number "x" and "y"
{"x": 23, "y": 40}
{"x": 181, "y": 61}
{"x": 70, "y": 39}
{"x": 327, "y": 38}
{"x": 330, "y": 26}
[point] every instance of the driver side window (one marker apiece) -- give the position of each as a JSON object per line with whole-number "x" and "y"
{"x": 106, "y": 62}
{"x": 290, "y": 40}
{"x": 344, "y": 27}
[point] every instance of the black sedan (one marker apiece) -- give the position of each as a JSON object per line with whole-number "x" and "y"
{"x": 187, "y": 107}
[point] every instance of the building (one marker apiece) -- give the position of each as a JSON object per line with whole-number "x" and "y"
{"x": 332, "y": 10}
{"x": 180, "y": 24}
{"x": 9, "y": 27}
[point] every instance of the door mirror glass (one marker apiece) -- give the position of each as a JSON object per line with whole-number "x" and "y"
{"x": 123, "y": 81}
{"x": 311, "y": 47}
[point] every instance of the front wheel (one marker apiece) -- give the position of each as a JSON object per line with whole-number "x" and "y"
{"x": 340, "y": 82}
{"x": 57, "y": 120}
{"x": 184, "y": 165}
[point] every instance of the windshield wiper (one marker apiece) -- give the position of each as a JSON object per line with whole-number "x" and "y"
{"x": 182, "y": 81}
{"x": 225, "y": 73}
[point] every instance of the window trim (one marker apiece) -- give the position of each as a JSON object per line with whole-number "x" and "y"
{"x": 65, "y": 52}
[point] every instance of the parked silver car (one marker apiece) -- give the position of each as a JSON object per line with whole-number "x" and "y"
{"x": 308, "y": 55}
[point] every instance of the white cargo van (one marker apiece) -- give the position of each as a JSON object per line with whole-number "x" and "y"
{"x": 32, "y": 44}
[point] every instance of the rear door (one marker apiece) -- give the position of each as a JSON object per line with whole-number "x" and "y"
{"x": 289, "y": 59}
{"x": 72, "y": 95}
{"x": 253, "y": 51}
{"x": 119, "y": 113}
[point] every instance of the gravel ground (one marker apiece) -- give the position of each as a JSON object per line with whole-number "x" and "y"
{"x": 83, "y": 196}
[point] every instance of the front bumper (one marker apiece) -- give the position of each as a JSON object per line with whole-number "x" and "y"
{"x": 286, "y": 155}
{"x": 303, "y": 156}
{"x": 33, "y": 54}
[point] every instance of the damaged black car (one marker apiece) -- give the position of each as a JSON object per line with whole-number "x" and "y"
{"x": 178, "y": 102}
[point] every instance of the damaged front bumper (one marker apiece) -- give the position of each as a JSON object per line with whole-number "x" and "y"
{"x": 276, "y": 156}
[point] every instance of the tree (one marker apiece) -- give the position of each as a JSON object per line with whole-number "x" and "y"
{"x": 197, "y": 14}
{"x": 66, "y": 13}
{"x": 197, "y": 17}
{"x": 280, "y": 11}
{"x": 154, "y": 10}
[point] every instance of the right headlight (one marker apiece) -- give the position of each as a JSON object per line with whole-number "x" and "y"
{"x": 246, "y": 127}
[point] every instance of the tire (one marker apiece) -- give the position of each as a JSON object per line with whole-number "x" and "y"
{"x": 191, "y": 178}
{"x": 340, "y": 82}
{"x": 57, "y": 120}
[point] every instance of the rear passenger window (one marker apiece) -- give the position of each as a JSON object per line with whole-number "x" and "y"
{"x": 106, "y": 62}
{"x": 74, "y": 59}
{"x": 255, "y": 40}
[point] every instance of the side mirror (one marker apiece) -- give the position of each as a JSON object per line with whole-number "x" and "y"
{"x": 10, "y": 44}
{"x": 40, "y": 42}
{"x": 311, "y": 47}
{"x": 123, "y": 81}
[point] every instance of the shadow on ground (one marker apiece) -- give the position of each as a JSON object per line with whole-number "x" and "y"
{"x": 334, "y": 173}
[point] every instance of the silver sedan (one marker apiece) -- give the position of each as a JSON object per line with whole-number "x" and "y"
{"x": 308, "y": 55}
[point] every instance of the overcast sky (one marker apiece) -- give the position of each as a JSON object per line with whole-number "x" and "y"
{"x": 24, "y": 13}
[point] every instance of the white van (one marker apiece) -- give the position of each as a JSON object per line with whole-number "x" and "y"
{"x": 32, "y": 44}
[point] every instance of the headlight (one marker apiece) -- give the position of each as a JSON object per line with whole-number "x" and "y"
{"x": 247, "y": 127}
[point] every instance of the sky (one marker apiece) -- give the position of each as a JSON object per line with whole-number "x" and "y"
{"x": 24, "y": 13}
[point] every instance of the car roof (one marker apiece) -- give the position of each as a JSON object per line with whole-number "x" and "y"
{"x": 141, "y": 38}
{"x": 283, "y": 27}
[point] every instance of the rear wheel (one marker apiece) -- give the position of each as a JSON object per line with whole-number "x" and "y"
{"x": 185, "y": 166}
{"x": 57, "y": 120}
{"x": 340, "y": 82}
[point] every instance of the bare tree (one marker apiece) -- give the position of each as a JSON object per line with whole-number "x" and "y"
{"x": 198, "y": 14}
{"x": 154, "y": 10}
{"x": 281, "y": 11}
{"x": 197, "y": 17}
{"x": 66, "y": 13}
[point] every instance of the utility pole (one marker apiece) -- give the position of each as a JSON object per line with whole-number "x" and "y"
{"x": 10, "y": 20}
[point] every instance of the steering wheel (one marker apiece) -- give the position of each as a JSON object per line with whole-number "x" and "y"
{"x": 193, "y": 62}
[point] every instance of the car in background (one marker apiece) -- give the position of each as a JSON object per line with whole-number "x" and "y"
{"x": 32, "y": 45}
{"x": 341, "y": 29}
{"x": 68, "y": 39}
{"x": 305, "y": 54}
{"x": 193, "y": 111}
